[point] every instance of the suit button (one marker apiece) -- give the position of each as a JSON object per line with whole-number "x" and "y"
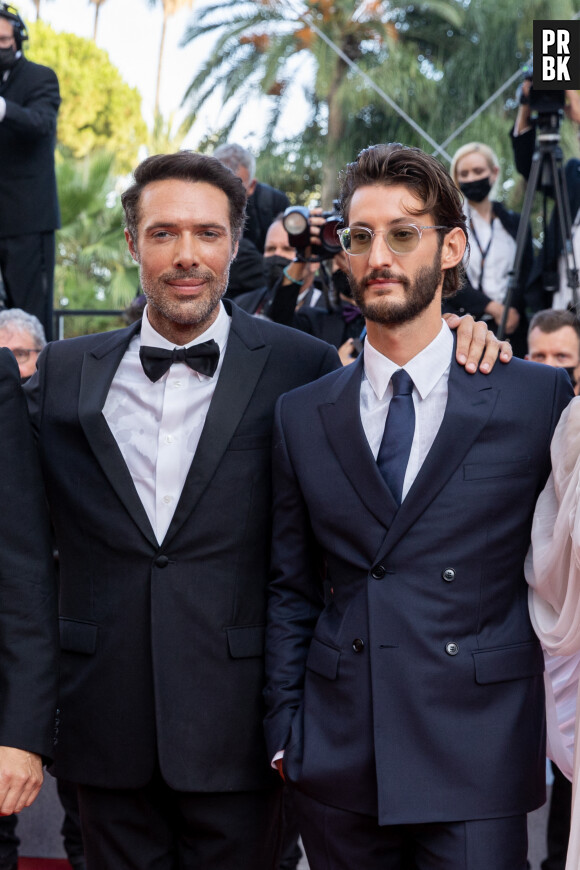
{"x": 358, "y": 644}
{"x": 451, "y": 649}
{"x": 378, "y": 572}
{"x": 448, "y": 574}
{"x": 162, "y": 561}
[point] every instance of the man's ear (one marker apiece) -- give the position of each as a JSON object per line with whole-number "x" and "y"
{"x": 131, "y": 245}
{"x": 251, "y": 186}
{"x": 453, "y": 248}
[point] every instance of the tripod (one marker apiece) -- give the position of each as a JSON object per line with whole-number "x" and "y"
{"x": 546, "y": 174}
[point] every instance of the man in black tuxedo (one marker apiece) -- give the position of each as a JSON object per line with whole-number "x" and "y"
{"x": 159, "y": 490}
{"x": 29, "y": 212}
{"x": 405, "y": 690}
{"x": 28, "y": 615}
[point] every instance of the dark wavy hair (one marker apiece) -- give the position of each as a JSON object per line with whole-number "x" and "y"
{"x": 185, "y": 166}
{"x": 425, "y": 177}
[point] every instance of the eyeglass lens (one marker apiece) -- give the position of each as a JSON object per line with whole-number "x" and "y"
{"x": 401, "y": 239}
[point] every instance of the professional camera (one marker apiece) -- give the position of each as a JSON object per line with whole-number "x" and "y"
{"x": 547, "y": 105}
{"x": 296, "y": 222}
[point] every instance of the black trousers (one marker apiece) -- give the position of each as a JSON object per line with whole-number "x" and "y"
{"x": 157, "y": 828}
{"x": 558, "y": 832}
{"x": 336, "y": 839}
{"x": 27, "y": 266}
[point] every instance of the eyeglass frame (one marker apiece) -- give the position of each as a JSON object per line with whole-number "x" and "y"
{"x": 24, "y": 350}
{"x": 384, "y": 234}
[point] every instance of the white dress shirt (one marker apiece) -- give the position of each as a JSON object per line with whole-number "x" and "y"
{"x": 500, "y": 256}
{"x": 158, "y": 425}
{"x": 430, "y": 373}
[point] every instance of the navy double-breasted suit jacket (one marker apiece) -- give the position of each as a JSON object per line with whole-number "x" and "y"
{"x": 403, "y": 676}
{"x": 162, "y": 643}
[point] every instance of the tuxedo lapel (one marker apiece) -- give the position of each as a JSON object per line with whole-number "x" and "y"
{"x": 470, "y": 403}
{"x": 98, "y": 368}
{"x": 244, "y": 359}
{"x": 343, "y": 426}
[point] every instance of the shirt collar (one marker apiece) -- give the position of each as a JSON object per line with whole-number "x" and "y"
{"x": 426, "y": 368}
{"x": 219, "y": 331}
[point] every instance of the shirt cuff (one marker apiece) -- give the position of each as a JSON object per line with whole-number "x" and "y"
{"x": 2, "y": 108}
{"x": 276, "y": 758}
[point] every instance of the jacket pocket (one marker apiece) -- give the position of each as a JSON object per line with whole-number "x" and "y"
{"x": 515, "y": 662}
{"x": 323, "y": 659}
{"x": 78, "y": 636}
{"x": 481, "y": 471}
{"x": 246, "y": 641}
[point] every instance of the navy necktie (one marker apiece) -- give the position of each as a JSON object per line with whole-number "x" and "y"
{"x": 202, "y": 358}
{"x": 395, "y": 447}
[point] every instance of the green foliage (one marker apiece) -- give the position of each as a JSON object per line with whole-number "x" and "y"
{"x": 99, "y": 110}
{"x": 93, "y": 269}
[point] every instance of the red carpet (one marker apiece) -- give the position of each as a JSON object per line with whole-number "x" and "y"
{"x": 43, "y": 864}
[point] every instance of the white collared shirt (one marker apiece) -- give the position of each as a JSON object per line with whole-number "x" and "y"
{"x": 430, "y": 373}
{"x": 158, "y": 425}
{"x": 500, "y": 255}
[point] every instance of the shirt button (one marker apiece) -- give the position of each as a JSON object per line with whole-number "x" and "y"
{"x": 167, "y": 499}
{"x": 176, "y": 385}
{"x": 169, "y": 439}
{"x": 451, "y": 649}
{"x": 448, "y": 574}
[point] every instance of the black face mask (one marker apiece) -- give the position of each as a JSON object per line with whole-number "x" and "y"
{"x": 273, "y": 268}
{"x": 7, "y": 58}
{"x": 476, "y": 191}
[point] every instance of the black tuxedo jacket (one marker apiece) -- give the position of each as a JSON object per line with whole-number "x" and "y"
{"x": 28, "y": 613}
{"x": 162, "y": 645}
{"x": 404, "y": 677}
{"x": 28, "y": 196}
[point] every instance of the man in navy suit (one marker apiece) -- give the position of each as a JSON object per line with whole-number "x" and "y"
{"x": 405, "y": 692}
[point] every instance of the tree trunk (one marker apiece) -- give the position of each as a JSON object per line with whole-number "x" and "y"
{"x": 160, "y": 64}
{"x": 336, "y": 127}
{"x": 97, "y": 10}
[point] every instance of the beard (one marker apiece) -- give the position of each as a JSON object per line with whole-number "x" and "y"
{"x": 186, "y": 312}
{"x": 419, "y": 294}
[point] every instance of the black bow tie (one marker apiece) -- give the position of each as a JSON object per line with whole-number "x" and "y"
{"x": 202, "y": 358}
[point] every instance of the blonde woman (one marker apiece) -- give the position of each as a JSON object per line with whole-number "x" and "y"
{"x": 492, "y": 242}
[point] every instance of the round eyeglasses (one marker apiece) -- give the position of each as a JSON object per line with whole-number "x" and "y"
{"x": 402, "y": 239}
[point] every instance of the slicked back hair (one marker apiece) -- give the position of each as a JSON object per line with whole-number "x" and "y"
{"x": 424, "y": 176}
{"x": 185, "y": 166}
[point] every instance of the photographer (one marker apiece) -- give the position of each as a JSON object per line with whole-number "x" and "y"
{"x": 548, "y": 283}
{"x": 29, "y": 213}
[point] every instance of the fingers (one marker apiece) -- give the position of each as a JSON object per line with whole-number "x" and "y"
{"x": 495, "y": 349}
{"x": 20, "y": 779}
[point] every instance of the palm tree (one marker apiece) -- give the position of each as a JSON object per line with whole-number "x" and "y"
{"x": 98, "y": 4}
{"x": 262, "y": 47}
{"x": 37, "y": 7}
{"x": 170, "y": 8}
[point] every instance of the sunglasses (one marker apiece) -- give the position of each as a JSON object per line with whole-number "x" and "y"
{"x": 402, "y": 239}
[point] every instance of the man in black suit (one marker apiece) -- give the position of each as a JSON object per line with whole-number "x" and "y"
{"x": 29, "y": 213}
{"x": 405, "y": 690}
{"x": 159, "y": 490}
{"x": 28, "y": 617}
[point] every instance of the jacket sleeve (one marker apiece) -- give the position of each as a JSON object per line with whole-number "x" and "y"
{"x": 295, "y": 598}
{"x": 28, "y": 605}
{"x": 36, "y": 115}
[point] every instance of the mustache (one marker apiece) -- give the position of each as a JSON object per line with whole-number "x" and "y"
{"x": 187, "y": 273}
{"x": 386, "y": 275}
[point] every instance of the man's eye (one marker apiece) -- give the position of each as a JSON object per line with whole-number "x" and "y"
{"x": 360, "y": 235}
{"x": 403, "y": 234}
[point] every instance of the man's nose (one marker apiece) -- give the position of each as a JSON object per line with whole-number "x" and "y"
{"x": 186, "y": 253}
{"x": 380, "y": 255}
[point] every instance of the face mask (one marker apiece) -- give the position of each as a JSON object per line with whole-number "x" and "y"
{"x": 273, "y": 268}
{"x": 476, "y": 191}
{"x": 7, "y": 58}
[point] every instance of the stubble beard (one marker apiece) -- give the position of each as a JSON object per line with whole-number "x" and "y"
{"x": 419, "y": 294}
{"x": 185, "y": 312}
